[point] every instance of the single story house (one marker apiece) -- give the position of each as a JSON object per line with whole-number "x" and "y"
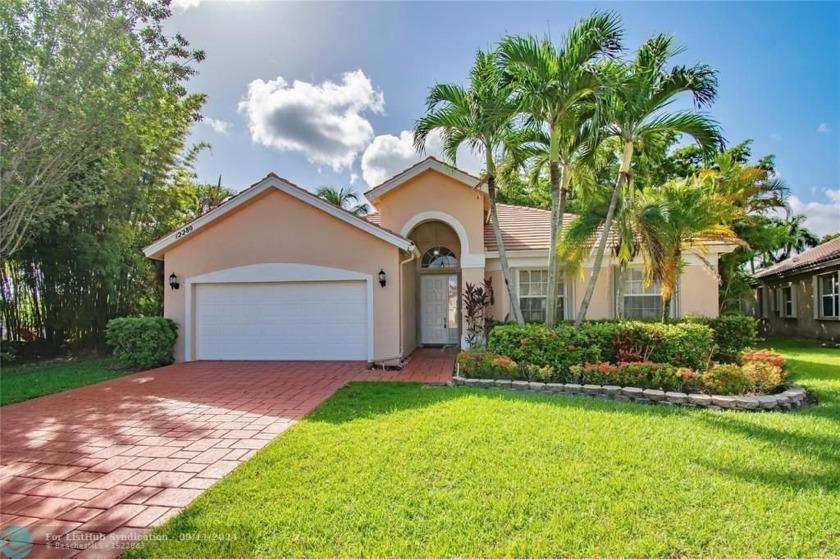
{"x": 800, "y": 296}
{"x": 278, "y": 273}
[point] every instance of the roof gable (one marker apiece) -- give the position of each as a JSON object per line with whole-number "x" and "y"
{"x": 271, "y": 181}
{"x": 430, "y": 163}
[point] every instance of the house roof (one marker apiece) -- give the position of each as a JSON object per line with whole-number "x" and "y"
{"x": 811, "y": 258}
{"x": 523, "y": 228}
{"x": 158, "y": 248}
{"x": 418, "y": 168}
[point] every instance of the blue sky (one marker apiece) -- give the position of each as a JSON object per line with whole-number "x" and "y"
{"x": 326, "y": 93}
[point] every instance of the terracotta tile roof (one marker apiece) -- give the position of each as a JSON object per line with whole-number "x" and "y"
{"x": 523, "y": 228}
{"x": 802, "y": 262}
{"x": 376, "y": 218}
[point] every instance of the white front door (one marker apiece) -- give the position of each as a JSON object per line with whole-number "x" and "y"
{"x": 439, "y": 309}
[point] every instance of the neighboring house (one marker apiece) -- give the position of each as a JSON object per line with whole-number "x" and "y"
{"x": 278, "y": 273}
{"x": 800, "y": 296}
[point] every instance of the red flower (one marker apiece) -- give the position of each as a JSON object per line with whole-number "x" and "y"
{"x": 524, "y": 341}
{"x": 570, "y": 347}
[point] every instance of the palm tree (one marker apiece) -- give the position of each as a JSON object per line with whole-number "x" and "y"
{"x": 212, "y": 196}
{"x": 551, "y": 84}
{"x": 685, "y": 214}
{"x": 481, "y": 117}
{"x": 633, "y": 111}
{"x": 344, "y": 197}
{"x": 800, "y": 238}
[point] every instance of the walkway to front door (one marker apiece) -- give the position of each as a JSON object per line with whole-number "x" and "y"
{"x": 439, "y": 309}
{"x": 120, "y": 457}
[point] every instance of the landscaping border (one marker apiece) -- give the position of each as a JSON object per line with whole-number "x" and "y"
{"x": 794, "y": 397}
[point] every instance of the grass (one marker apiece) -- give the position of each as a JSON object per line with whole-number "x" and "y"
{"x": 399, "y": 470}
{"x": 31, "y": 380}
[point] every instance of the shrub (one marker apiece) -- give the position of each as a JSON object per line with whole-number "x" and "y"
{"x": 726, "y": 379}
{"x": 680, "y": 344}
{"x": 485, "y": 364}
{"x": 537, "y": 373}
{"x": 642, "y": 375}
{"x": 764, "y": 377}
{"x": 142, "y": 342}
{"x": 765, "y": 355}
{"x": 733, "y": 335}
{"x": 533, "y": 344}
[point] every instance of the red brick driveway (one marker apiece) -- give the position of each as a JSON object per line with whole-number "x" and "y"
{"x": 116, "y": 459}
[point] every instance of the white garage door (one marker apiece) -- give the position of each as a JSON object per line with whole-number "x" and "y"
{"x": 297, "y": 320}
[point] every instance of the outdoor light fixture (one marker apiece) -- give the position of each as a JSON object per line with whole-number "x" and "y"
{"x": 173, "y": 281}
{"x": 382, "y": 278}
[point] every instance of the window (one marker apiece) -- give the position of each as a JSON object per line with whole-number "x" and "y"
{"x": 533, "y": 291}
{"x": 641, "y": 301}
{"x": 786, "y": 301}
{"x": 829, "y": 299}
{"x": 439, "y": 257}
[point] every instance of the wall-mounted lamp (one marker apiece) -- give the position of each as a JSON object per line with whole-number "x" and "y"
{"x": 382, "y": 278}
{"x": 173, "y": 281}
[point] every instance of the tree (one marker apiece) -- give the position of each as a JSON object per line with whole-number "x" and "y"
{"x": 551, "y": 83}
{"x": 345, "y": 198}
{"x": 632, "y": 110}
{"x": 800, "y": 238}
{"x": 73, "y": 74}
{"x": 480, "y": 116}
{"x": 94, "y": 162}
{"x": 211, "y": 196}
{"x": 682, "y": 214}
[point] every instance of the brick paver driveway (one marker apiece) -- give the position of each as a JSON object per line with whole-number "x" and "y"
{"x": 116, "y": 459}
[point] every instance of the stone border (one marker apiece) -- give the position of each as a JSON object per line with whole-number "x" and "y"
{"x": 793, "y": 398}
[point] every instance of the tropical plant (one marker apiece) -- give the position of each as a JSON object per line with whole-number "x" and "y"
{"x": 478, "y": 298}
{"x": 211, "y": 196}
{"x": 552, "y": 85}
{"x": 480, "y": 116}
{"x": 683, "y": 215}
{"x": 344, "y": 197}
{"x": 633, "y": 110}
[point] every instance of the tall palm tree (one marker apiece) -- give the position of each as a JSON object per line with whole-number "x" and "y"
{"x": 633, "y": 111}
{"x": 481, "y": 117}
{"x": 551, "y": 83}
{"x": 344, "y": 197}
{"x": 687, "y": 214}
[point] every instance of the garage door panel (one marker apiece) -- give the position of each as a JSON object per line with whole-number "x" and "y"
{"x": 300, "y": 320}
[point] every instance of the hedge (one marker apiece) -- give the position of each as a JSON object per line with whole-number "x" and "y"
{"x": 733, "y": 335}
{"x": 142, "y": 342}
{"x": 680, "y": 344}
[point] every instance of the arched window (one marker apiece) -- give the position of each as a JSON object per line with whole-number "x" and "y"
{"x": 439, "y": 257}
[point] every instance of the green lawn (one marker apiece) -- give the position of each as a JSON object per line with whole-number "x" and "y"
{"x": 398, "y": 470}
{"x": 27, "y": 381}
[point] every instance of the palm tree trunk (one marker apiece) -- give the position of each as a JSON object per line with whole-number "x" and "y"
{"x": 557, "y": 199}
{"x": 619, "y": 291}
{"x": 602, "y": 245}
{"x": 497, "y": 232}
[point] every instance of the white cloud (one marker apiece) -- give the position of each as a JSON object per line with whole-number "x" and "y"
{"x": 325, "y": 121}
{"x": 821, "y": 218}
{"x": 185, "y": 5}
{"x": 824, "y": 128}
{"x": 354, "y": 178}
{"x": 218, "y": 126}
{"x": 387, "y": 155}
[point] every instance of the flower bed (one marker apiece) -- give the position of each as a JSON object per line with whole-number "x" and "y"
{"x": 759, "y": 373}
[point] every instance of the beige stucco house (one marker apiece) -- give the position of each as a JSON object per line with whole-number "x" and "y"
{"x": 278, "y": 273}
{"x": 800, "y": 296}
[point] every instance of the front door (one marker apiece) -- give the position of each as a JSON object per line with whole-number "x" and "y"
{"x": 439, "y": 309}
